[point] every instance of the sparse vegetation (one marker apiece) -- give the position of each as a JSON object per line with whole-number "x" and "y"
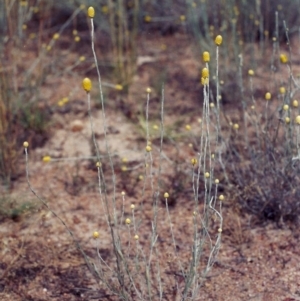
{"x": 226, "y": 139}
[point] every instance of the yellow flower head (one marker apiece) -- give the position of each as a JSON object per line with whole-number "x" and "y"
{"x": 283, "y": 58}
{"x": 218, "y": 40}
{"x": 250, "y": 72}
{"x": 91, "y": 12}
{"x": 206, "y": 56}
{"x": 205, "y": 73}
{"x": 147, "y": 19}
{"x": 268, "y": 96}
{"x": 295, "y": 103}
{"x": 194, "y": 161}
{"x": 56, "y": 36}
{"x": 95, "y": 234}
{"x": 46, "y": 159}
{"x": 236, "y": 126}
{"x": 282, "y": 90}
{"x": 87, "y": 84}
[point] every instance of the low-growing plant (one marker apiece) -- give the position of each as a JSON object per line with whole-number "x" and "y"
{"x": 253, "y": 155}
{"x": 132, "y": 272}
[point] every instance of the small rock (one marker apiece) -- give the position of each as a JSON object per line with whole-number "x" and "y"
{"x": 76, "y": 126}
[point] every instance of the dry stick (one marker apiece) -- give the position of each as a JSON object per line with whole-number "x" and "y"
{"x": 156, "y": 196}
{"x": 273, "y": 67}
{"x": 103, "y": 115}
{"x": 116, "y": 241}
{"x": 218, "y": 114}
{"x": 197, "y": 249}
{"x": 289, "y": 66}
{"x": 243, "y": 101}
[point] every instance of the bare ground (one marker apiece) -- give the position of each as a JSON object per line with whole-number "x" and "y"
{"x": 39, "y": 260}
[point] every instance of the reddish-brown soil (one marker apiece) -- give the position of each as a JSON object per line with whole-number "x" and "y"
{"x": 39, "y": 260}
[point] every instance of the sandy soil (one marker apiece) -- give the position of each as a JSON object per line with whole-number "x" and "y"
{"x": 39, "y": 260}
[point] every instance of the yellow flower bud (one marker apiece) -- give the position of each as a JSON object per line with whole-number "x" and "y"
{"x": 46, "y": 159}
{"x": 119, "y": 87}
{"x": 287, "y": 120}
{"x": 282, "y": 90}
{"x": 268, "y": 96}
{"x": 295, "y": 103}
{"x": 56, "y": 36}
{"x": 206, "y": 56}
{"x": 205, "y": 73}
{"x": 91, "y": 12}
{"x": 194, "y": 161}
{"x": 25, "y": 144}
{"x": 95, "y": 234}
{"x": 236, "y": 126}
{"x": 218, "y": 40}
{"x": 297, "y": 119}
{"x": 128, "y": 221}
{"x": 250, "y": 72}
{"x": 148, "y": 148}
{"x": 283, "y": 58}
{"x": 166, "y": 195}
{"x": 285, "y": 107}
{"x": 147, "y": 19}
{"x": 87, "y": 84}
{"x": 207, "y": 175}
{"x": 148, "y": 90}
